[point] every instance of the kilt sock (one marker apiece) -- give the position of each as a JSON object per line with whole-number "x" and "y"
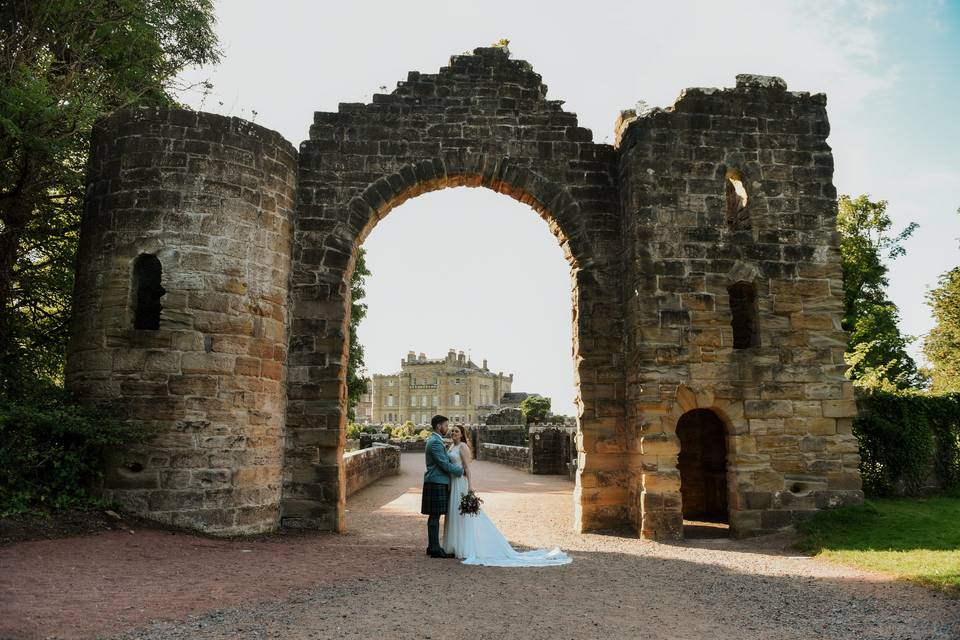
{"x": 433, "y": 534}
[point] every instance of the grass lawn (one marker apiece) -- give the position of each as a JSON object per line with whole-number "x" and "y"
{"x": 916, "y": 539}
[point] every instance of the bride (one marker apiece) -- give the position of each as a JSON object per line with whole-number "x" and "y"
{"x": 474, "y": 538}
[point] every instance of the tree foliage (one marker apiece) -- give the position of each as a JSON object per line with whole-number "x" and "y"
{"x": 63, "y": 65}
{"x": 535, "y": 408}
{"x": 356, "y": 370}
{"x": 50, "y": 449}
{"x": 904, "y": 436}
{"x": 942, "y": 344}
{"x": 877, "y": 355}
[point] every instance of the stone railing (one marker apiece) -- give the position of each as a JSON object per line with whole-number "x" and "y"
{"x": 366, "y": 466}
{"x": 516, "y": 457}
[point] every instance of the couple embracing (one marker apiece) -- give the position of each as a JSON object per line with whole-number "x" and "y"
{"x": 472, "y": 538}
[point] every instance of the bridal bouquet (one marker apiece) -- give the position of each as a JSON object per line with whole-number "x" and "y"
{"x": 470, "y": 504}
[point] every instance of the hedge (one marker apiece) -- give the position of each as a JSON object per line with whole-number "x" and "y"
{"x": 906, "y": 436}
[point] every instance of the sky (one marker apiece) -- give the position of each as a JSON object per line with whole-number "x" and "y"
{"x": 474, "y": 270}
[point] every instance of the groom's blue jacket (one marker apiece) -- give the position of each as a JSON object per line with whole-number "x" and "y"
{"x": 439, "y": 467}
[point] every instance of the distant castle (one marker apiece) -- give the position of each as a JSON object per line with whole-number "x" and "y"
{"x": 453, "y": 386}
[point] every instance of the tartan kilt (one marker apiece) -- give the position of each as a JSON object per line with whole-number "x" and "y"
{"x": 435, "y": 500}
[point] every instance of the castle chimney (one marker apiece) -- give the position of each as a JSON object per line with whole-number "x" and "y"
{"x": 423, "y": 357}
{"x": 411, "y": 356}
{"x": 461, "y": 358}
{"x": 484, "y": 364}
{"x": 451, "y": 356}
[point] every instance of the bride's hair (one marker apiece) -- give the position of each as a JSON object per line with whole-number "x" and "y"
{"x": 463, "y": 434}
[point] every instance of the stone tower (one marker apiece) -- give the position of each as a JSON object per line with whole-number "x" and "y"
{"x": 734, "y": 298}
{"x": 214, "y": 278}
{"x": 180, "y": 314}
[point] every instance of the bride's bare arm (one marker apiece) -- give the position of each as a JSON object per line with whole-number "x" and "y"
{"x": 466, "y": 455}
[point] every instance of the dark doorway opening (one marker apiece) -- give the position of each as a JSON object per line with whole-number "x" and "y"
{"x": 703, "y": 466}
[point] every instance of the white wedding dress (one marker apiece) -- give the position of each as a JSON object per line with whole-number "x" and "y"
{"x": 476, "y": 540}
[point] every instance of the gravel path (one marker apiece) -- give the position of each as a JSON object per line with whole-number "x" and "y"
{"x": 375, "y": 582}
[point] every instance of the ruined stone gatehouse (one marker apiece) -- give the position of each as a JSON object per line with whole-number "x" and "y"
{"x": 213, "y": 286}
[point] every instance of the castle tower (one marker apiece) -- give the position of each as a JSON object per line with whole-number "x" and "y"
{"x": 180, "y": 312}
{"x": 734, "y": 299}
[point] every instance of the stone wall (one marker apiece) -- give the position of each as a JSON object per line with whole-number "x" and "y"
{"x": 211, "y": 199}
{"x": 517, "y": 457}
{"x": 551, "y": 449}
{"x": 483, "y": 120}
{"x": 514, "y": 435}
{"x": 410, "y": 445}
{"x": 733, "y": 188}
{"x": 366, "y": 466}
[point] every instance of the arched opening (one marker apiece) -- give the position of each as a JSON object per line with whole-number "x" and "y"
{"x": 735, "y": 192}
{"x": 473, "y": 270}
{"x": 147, "y": 292}
{"x": 703, "y": 466}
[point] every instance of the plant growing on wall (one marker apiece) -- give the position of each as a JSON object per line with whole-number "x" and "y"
{"x": 357, "y": 382}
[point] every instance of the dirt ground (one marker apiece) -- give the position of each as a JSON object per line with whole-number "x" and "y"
{"x": 375, "y": 582}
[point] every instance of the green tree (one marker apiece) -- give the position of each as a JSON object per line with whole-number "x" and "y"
{"x": 942, "y": 344}
{"x": 356, "y": 371}
{"x": 63, "y": 65}
{"x": 877, "y": 354}
{"x": 535, "y": 408}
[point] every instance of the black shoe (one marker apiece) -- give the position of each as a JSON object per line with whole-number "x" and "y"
{"x": 441, "y": 554}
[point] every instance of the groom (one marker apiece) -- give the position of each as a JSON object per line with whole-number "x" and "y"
{"x": 436, "y": 486}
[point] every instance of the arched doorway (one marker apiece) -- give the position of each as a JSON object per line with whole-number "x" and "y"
{"x": 703, "y": 466}
{"x": 433, "y": 132}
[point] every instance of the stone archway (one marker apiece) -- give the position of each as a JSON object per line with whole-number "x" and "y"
{"x": 484, "y": 121}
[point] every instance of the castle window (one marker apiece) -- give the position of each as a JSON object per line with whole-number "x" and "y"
{"x": 743, "y": 307}
{"x": 736, "y": 196}
{"x": 147, "y": 291}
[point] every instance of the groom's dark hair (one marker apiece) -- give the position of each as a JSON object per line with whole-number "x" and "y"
{"x": 437, "y": 420}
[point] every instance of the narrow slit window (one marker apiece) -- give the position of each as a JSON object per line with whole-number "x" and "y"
{"x": 147, "y": 291}
{"x": 736, "y": 194}
{"x": 743, "y": 307}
